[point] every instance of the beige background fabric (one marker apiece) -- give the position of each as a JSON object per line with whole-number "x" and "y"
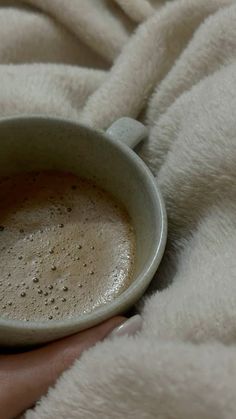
{"x": 173, "y": 66}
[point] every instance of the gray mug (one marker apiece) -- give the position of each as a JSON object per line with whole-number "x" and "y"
{"x": 30, "y": 143}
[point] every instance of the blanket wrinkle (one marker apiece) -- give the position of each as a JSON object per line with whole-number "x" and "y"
{"x": 172, "y": 64}
{"x": 137, "y": 10}
{"x": 211, "y": 48}
{"x": 91, "y": 21}
{"x": 139, "y": 68}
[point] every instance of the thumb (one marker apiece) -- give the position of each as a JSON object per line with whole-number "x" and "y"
{"x": 27, "y": 376}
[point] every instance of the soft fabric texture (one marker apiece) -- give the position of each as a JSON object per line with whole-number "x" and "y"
{"x": 173, "y": 66}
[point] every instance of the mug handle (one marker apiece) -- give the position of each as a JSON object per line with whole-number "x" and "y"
{"x": 128, "y": 131}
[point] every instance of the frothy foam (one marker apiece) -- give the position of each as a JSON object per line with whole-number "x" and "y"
{"x": 66, "y": 247}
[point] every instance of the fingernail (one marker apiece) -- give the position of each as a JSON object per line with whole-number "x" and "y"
{"x": 129, "y": 327}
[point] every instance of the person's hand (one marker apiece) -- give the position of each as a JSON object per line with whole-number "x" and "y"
{"x": 25, "y": 377}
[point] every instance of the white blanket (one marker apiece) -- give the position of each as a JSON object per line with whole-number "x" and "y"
{"x": 173, "y": 66}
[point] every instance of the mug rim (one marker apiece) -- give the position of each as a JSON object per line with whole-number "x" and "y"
{"x": 141, "y": 282}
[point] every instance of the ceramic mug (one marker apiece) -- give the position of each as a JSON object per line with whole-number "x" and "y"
{"x": 30, "y": 143}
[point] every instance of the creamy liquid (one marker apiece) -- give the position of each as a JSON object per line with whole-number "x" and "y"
{"x": 66, "y": 247}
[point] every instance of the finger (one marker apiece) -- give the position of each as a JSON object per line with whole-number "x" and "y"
{"x": 27, "y": 376}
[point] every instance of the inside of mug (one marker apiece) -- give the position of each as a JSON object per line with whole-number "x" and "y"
{"x": 41, "y": 144}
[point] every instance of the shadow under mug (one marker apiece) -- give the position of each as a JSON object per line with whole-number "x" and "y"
{"x": 34, "y": 143}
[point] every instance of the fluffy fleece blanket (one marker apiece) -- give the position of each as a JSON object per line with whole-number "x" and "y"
{"x": 173, "y": 66}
